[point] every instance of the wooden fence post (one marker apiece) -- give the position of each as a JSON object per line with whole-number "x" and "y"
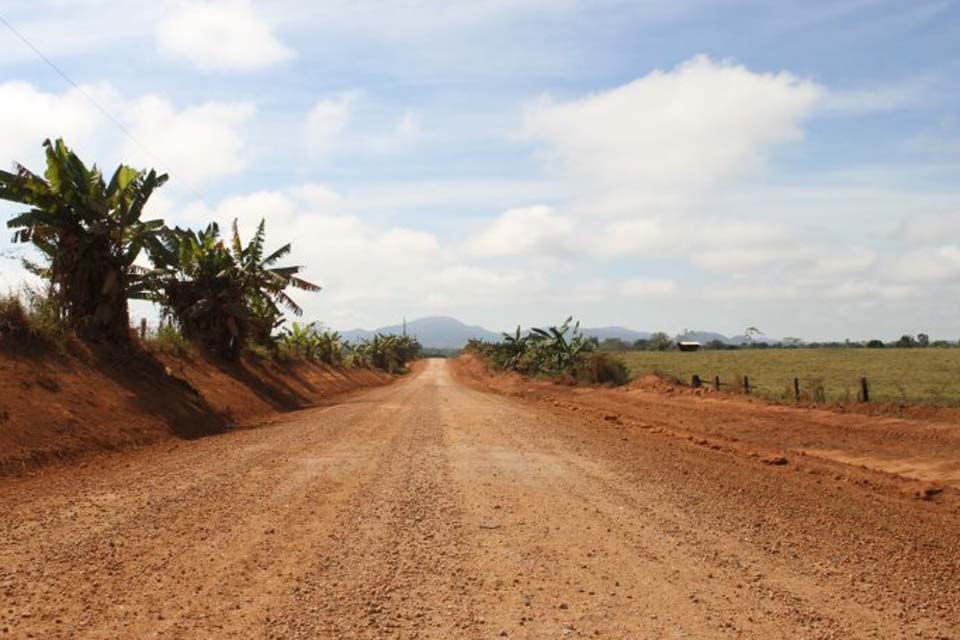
{"x": 695, "y": 382}
{"x": 746, "y": 385}
{"x": 796, "y": 389}
{"x": 864, "y": 390}
{"x": 716, "y": 383}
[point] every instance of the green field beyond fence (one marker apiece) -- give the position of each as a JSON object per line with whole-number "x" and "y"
{"x": 928, "y": 376}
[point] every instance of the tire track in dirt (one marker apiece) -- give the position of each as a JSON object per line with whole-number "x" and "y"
{"x": 189, "y": 539}
{"x": 394, "y": 565}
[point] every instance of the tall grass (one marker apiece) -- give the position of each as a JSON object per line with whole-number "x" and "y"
{"x": 32, "y": 315}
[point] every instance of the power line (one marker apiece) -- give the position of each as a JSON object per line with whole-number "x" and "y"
{"x": 109, "y": 116}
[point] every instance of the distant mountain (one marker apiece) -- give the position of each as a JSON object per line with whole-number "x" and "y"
{"x": 450, "y": 333}
{"x": 620, "y": 333}
{"x": 703, "y": 337}
{"x": 433, "y": 333}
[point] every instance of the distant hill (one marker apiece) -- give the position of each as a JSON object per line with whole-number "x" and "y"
{"x": 433, "y": 333}
{"x": 450, "y": 333}
{"x": 706, "y": 337}
{"x": 703, "y": 337}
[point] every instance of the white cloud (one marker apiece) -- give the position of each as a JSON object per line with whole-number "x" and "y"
{"x": 28, "y": 116}
{"x": 867, "y": 290}
{"x": 756, "y": 291}
{"x": 194, "y": 144}
{"x": 326, "y": 121}
{"x": 198, "y": 143}
{"x": 840, "y": 261}
{"x": 647, "y": 287}
{"x": 605, "y": 291}
{"x": 930, "y": 228}
{"x": 695, "y": 125}
{"x": 725, "y": 244}
{"x": 224, "y": 35}
{"x": 928, "y": 265}
{"x": 525, "y": 231}
{"x": 406, "y": 132}
{"x": 317, "y": 197}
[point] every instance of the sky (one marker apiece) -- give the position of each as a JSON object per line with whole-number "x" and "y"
{"x": 660, "y": 165}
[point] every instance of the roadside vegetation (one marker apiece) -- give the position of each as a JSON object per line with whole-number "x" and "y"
{"x": 311, "y": 342}
{"x": 221, "y": 296}
{"x": 558, "y": 352}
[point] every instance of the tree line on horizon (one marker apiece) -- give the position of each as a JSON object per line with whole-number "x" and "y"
{"x": 661, "y": 341}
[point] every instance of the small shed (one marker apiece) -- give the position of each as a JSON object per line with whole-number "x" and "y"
{"x": 689, "y": 345}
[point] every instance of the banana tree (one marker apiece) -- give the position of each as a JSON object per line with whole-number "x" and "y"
{"x": 258, "y": 275}
{"x": 301, "y": 340}
{"x": 329, "y": 347}
{"x": 217, "y": 294}
{"x": 562, "y": 354}
{"x": 90, "y": 234}
{"x": 513, "y": 347}
{"x": 193, "y": 283}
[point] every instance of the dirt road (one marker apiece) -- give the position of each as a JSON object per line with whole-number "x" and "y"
{"x": 429, "y": 509}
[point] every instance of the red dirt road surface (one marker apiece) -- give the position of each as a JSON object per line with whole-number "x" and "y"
{"x": 436, "y": 508}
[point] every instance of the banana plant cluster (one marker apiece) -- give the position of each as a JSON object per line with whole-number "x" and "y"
{"x": 91, "y": 235}
{"x": 555, "y": 350}
{"x": 387, "y": 352}
{"x": 223, "y": 295}
{"x": 312, "y": 343}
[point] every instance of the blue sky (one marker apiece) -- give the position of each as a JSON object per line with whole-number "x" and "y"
{"x": 660, "y": 165}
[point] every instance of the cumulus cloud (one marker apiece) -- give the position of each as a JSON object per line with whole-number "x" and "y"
{"x": 227, "y": 36}
{"x": 195, "y": 144}
{"x": 694, "y": 125}
{"x": 525, "y": 231}
{"x": 28, "y": 115}
{"x": 326, "y": 121}
{"x": 199, "y": 143}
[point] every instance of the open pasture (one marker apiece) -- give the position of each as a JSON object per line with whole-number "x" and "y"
{"x": 922, "y": 376}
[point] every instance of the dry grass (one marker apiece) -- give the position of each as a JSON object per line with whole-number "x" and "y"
{"x": 920, "y": 376}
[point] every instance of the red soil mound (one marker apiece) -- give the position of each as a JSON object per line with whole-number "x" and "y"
{"x": 58, "y": 407}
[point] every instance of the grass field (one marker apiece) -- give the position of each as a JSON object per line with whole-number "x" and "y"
{"x": 928, "y": 376}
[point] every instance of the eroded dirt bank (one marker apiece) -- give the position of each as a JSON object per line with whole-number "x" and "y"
{"x": 430, "y": 509}
{"x": 61, "y": 407}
